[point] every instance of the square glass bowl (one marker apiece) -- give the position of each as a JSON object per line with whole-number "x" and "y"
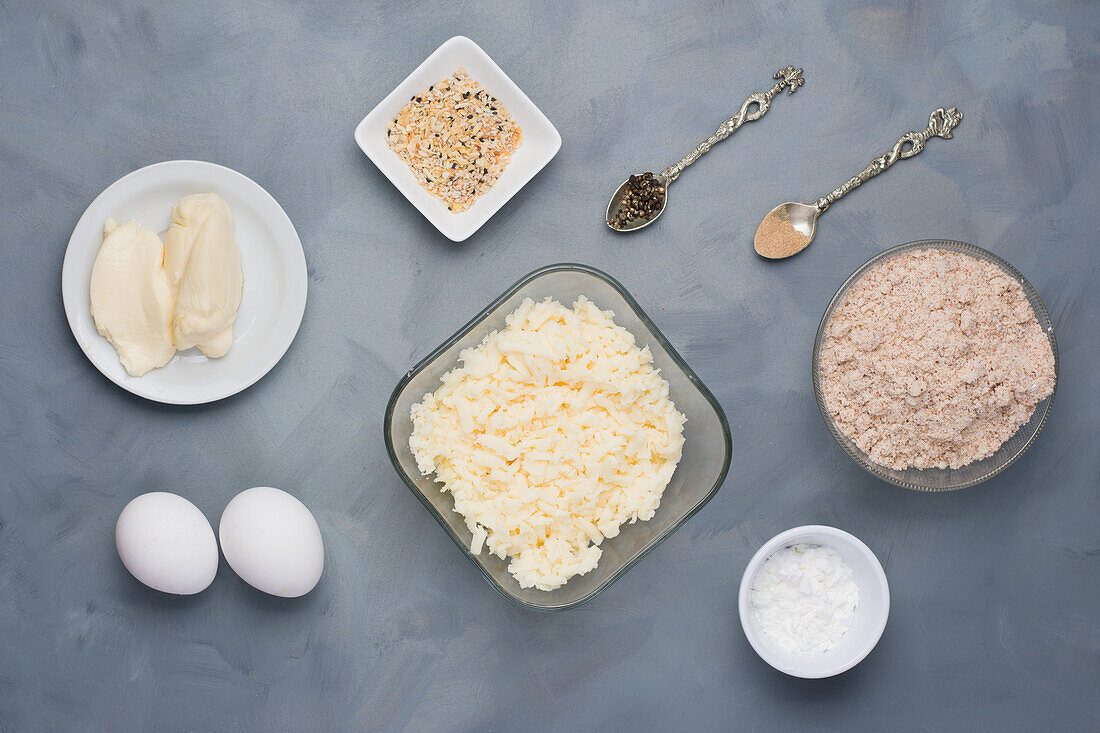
{"x": 541, "y": 140}
{"x": 940, "y": 479}
{"x": 702, "y": 469}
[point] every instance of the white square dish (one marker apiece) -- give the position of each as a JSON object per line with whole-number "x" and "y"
{"x": 541, "y": 140}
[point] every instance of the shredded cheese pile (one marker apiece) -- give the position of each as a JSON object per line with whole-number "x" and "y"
{"x": 552, "y": 434}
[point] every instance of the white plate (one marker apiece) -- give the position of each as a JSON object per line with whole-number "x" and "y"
{"x": 541, "y": 140}
{"x": 272, "y": 302}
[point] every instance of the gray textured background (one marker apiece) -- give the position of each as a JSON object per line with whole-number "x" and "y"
{"x": 995, "y": 589}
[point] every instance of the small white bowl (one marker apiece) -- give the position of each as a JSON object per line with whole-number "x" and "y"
{"x": 870, "y": 616}
{"x": 541, "y": 140}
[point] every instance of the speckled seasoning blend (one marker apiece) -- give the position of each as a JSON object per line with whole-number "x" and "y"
{"x": 456, "y": 138}
{"x": 934, "y": 359}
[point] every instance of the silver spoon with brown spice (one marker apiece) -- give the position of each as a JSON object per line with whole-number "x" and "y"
{"x": 642, "y": 198}
{"x": 790, "y": 227}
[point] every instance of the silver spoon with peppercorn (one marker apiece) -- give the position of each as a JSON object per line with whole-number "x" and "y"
{"x": 642, "y": 198}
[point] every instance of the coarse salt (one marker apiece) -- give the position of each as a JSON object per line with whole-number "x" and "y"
{"x": 804, "y": 597}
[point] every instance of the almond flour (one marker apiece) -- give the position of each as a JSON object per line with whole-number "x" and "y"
{"x": 934, "y": 359}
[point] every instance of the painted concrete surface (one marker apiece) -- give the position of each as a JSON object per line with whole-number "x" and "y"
{"x": 993, "y": 625}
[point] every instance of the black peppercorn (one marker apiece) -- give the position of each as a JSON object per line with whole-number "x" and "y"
{"x": 642, "y": 197}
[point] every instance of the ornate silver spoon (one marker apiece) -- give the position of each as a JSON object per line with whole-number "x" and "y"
{"x": 790, "y": 227}
{"x": 642, "y": 198}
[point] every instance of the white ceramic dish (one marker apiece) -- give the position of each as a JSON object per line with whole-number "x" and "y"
{"x": 275, "y": 281}
{"x": 541, "y": 140}
{"x": 870, "y": 616}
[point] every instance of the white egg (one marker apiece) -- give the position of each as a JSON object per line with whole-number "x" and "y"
{"x": 272, "y": 541}
{"x": 167, "y": 543}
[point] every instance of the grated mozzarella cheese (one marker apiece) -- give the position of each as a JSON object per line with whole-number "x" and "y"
{"x": 553, "y": 433}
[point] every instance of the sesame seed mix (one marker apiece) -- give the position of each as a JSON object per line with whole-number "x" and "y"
{"x": 456, "y": 138}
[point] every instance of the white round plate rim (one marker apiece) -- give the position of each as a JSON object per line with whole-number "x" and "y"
{"x": 879, "y": 586}
{"x": 286, "y": 250}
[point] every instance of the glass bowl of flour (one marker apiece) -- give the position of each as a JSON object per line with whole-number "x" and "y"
{"x": 980, "y": 435}
{"x": 814, "y": 601}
